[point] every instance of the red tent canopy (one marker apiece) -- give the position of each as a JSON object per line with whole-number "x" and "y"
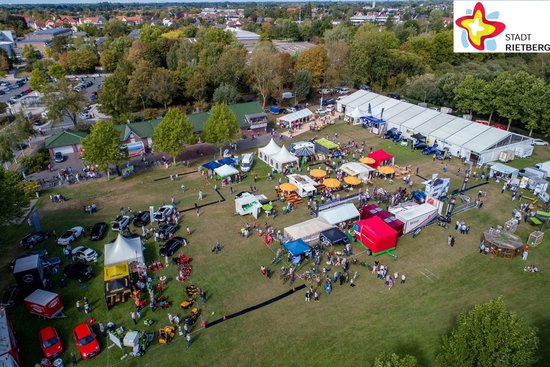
{"x": 375, "y": 234}
{"x": 368, "y": 211}
{"x": 379, "y": 156}
{"x": 392, "y": 221}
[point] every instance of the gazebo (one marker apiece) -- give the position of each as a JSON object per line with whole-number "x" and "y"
{"x": 281, "y": 159}
{"x": 381, "y": 158}
{"x": 124, "y": 250}
{"x": 501, "y": 243}
{"x": 270, "y": 149}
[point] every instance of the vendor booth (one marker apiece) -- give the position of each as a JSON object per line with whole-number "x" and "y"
{"x": 124, "y": 250}
{"x": 308, "y": 231}
{"x": 248, "y": 203}
{"x": 369, "y": 211}
{"x": 501, "y": 243}
{"x": 502, "y": 171}
{"x": 340, "y": 213}
{"x": 282, "y": 159}
{"x": 437, "y": 187}
{"x": 117, "y": 283}
{"x": 29, "y": 274}
{"x": 298, "y": 249}
{"x": 295, "y": 119}
{"x": 334, "y": 236}
{"x": 357, "y": 169}
{"x": 225, "y": 171}
{"x": 381, "y": 158}
{"x": 305, "y": 185}
{"x": 302, "y": 148}
{"x": 375, "y": 235}
{"x": 44, "y": 304}
{"x": 265, "y": 152}
{"x": 325, "y": 146}
{"x": 392, "y": 221}
{"x": 414, "y": 216}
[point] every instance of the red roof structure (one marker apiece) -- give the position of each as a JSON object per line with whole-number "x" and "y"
{"x": 380, "y": 157}
{"x": 375, "y": 235}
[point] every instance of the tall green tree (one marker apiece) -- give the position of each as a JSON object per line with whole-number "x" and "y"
{"x": 302, "y": 85}
{"x": 509, "y": 89}
{"x": 535, "y": 105}
{"x": 7, "y": 147}
{"x": 264, "y": 70}
{"x": 38, "y": 80}
{"x": 113, "y": 96}
{"x": 221, "y": 128}
{"x": 226, "y": 93}
{"x": 162, "y": 87}
{"x": 489, "y": 336}
{"x": 12, "y": 192}
{"x": 174, "y": 131}
{"x": 102, "y": 146}
{"x": 62, "y": 100}
{"x": 56, "y": 71}
{"x": 394, "y": 360}
{"x": 470, "y": 95}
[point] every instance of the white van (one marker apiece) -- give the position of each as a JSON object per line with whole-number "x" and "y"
{"x": 246, "y": 161}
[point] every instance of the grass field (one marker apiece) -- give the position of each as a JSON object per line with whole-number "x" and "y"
{"x": 349, "y": 327}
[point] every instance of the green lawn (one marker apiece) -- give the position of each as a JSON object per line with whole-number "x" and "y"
{"x": 349, "y": 327}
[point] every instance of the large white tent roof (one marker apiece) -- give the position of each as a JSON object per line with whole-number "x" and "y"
{"x": 374, "y": 103}
{"x": 352, "y": 97}
{"x": 486, "y": 139}
{"x": 386, "y": 105}
{"x": 364, "y": 100}
{"x": 308, "y": 230}
{"x": 435, "y": 123}
{"x": 419, "y": 119}
{"x": 404, "y": 116}
{"x": 466, "y": 134}
{"x": 445, "y": 131}
{"x": 399, "y": 108}
{"x": 284, "y": 156}
{"x": 123, "y": 249}
{"x": 340, "y": 213}
{"x": 270, "y": 148}
{"x": 295, "y": 116}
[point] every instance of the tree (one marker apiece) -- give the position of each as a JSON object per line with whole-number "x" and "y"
{"x": 337, "y": 57}
{"x": 221, "y": 128}
{"x": 102, "y": 146}
{"x": 535, "y": 105}
{"x": 38, "y": 80}
{"x": 174, "y": 131}
{"x": 140, "y": 80}
{"x": 30, "y": 55}
{"x": 109, "y": 60}
{"x": 490, "y": 336}
{"x": 229, "y": 68}
{"x": 436, "y": 20}
{"x": 470, "y": 95}
{"x": 56, "y": 71}
{"x": 113, "y": 96}
{"x": 509, "y": 89}
{"x": 302, "y": 85}
{"x": 393, "y": 360}
{"x": 79, "y": 61}
{"x": 5, "y": 64}
{"x": 14, "y": 200}
{"x": 227, "y": 94}
{"x": 162, "y": 87}
{"x": 264, "y": 72}
{"x": 7, "y": 146}
{"x": 62, "y": 100}
{"x": 315, "y": 60}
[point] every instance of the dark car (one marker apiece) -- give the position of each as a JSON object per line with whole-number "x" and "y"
{"x": 390, "y": 133}
{"x": 79, "y": 271}
{"x": 394, "y": 96}
{"x": 443, "y": 154}
{"x": 31, "y": 240}
{"x": 98, "y": 231}
{"x": 171, "y": 246}
{"x": 167, "y": 229}
{"x": 10, "y": 296}
{"x": 59, "y": 157}
{"x": 420, "y": 145}
{"x": 142, "y": 219}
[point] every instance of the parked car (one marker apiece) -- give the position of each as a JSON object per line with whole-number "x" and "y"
{"x": 59, "y": 157}
{"x": 320, "y": 111}
{"x": 324, "y": 91}
{"x": 51, "y": 265}
{"x": 290, "y": 110}
{"x": 85, "y": 254}
{"x": 343, "y": 90}
{"x": 79, "y": 271}
{"x": 168, "y": 229}
{"x": 163, "y": 212}
{"x": 430, "y": 150}
{"x": 171, "y": 246}
{"x": 31, "y": 240}
{"x": 394, "y": 96}
{"x": 390, "y": 133}
{"x": 142, "y": 219}
{"x": 50, "y": 342}
{"x": 10, "y": 296}
{"x": 86, "y": 341}
{"x": 397, "y": 137}
{"x": 442, "y": 154}
{"x": 539, "y": 142}
{"x": 420, "y": 145}
{"x": 120, "y": 223}
{"x": 98, "y": 231}
{"x": 70, "y": 236}
{"x": 365, "y": 87}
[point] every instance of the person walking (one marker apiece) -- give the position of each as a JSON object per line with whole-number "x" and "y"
{"x": 78, "y": 306}
{"x": 202, "y": 295}
{"x": 134, "y": 317}
{"x": 197, "y": 209}
{"x": 102, "y": 329}
{"x": 316, "y": 296}
{"x": 525, "y": 253}
{"x": 188, "y": 338}
{"x": 403, "y": 278}
{"x": 452, "y": 241}
{"x": 200, "y": 194}
{"x": 308, "y": 296}
{"x": 186, "y": 328}
{"x": 73, "y": 359}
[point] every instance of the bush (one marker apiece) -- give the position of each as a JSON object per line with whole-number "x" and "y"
{"x": 36, "y": 163}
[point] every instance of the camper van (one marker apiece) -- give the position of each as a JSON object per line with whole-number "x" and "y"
{"x": 246, "y": 162}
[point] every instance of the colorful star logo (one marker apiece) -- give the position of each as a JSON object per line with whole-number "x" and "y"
{"x": 479, "y": 28}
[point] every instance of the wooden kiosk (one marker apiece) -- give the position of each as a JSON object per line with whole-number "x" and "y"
{"x": 502, "y": 244}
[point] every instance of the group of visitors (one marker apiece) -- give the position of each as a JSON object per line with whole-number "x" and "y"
{"x": 382, "y": 273}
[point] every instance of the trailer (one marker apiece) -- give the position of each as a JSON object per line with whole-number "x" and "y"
{"x": 9, "y": 355}
{"x": 414, "y": 216}
{"x": 306, "y": 186}
{"x": 45, "y": 304}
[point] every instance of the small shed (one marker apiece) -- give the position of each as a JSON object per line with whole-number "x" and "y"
{"x": 503, "y": 171}
{"x": 369, "y": 211}
{"x": 256, "y": 120}
{"x": 357, "y": 169}
{"x": 501, "y": 243}
{"x": 44, "y": 304}
{"x": 381, "y": 158}
{"x": 325, "y": 146}
{"x": 225, "y": 171}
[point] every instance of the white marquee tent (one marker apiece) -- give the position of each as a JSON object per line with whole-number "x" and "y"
{"x": 308, "y": 231}
{"x": 122, "y": 250}
{"x": 340, "y": 213}
{"x": 265, "y": 152}
{"x": 226, "y": 170}
{"x": 279, "y": 160}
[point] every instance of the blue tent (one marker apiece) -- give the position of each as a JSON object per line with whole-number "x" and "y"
{"x": 297, "y": 248}
{"x": 226, "y": 160}
{"x": 212, "y": 165}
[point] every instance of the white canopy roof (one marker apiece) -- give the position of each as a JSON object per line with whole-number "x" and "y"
{"x": 352, "y": 97}
{"x": 445, "y": 131}
{"x": 503, "y": 168}
{"x": 434, "y": 123}
{"x": 340, "y": 213}
{"x": 226, "y": 170}
{"x": 295, "y": 116}
{"x": 355, "y": 168}
{"x": 409, "y": 113}
{"x": 123, "y": 249}
{"x": 486, "y": 139}
{"x": 376, "y": 108}
{"x": 308, "y": 230}
{"x": 284, "y": 156}
{"x": 270, "y": 148}
{"x": 396, "y": 109}
{"x": 356, "y": 113}
{"x": 419, "y": 119}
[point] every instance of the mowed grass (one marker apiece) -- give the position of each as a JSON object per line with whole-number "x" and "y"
{"x": 349, "y": 327}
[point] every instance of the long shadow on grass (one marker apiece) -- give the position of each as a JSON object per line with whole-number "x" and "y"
{"x": 175, "y": 174}
{"x": 413, "y": 348}
{"x": 222, "y": 199}
{"x": 543, "y": 326}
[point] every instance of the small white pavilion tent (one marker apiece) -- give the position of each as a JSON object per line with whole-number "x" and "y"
{"x": 123, "y": 250}
{"x": 279, "y": 160}
{"x": 265, "y": 152}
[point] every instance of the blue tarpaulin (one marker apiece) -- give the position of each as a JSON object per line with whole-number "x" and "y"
{"x": 373, "y": 120}
{"x": 212, "y": 165}
{"x": 227, "y": 160}
{"x": 297, "y": 248}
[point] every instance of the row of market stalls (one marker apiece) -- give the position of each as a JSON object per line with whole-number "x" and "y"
{"x": 222, "y": 168}
{"x": 463, "y": 138}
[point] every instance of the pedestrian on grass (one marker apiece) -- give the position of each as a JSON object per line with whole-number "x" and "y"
{"x": 188, "y": 338}
{"x": 200, "y": 194}
{"x": 403, "y": 278}
{"x": 134, "y": 317}
{"x": 202, "y": 295}
{"x": 186, "y": 328}
{"x": 102, "y": 329}
{"x": 188, "y": 230}
{"x": 449, "y": 240}
{"x": 78, "y": 306}
{"x": 452, "y": 241}
{"x": 73, "y": 359}
{"x": 525, "y": 253}
{"x": 316, "y": 296}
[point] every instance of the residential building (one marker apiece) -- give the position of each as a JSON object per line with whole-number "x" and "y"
{"x": 132, "y": 20}
{"x": 41, "y": 39}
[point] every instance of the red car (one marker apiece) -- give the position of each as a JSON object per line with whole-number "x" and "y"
{"x": 50, "y": 342}
{"x": 85, "y": 341}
